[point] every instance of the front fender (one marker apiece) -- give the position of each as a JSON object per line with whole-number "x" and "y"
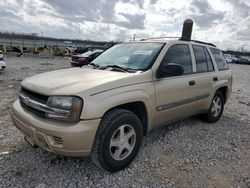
{"x": 95, "y": 106}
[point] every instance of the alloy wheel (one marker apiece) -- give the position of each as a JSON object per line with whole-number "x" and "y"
{"x": 122, "y": 142}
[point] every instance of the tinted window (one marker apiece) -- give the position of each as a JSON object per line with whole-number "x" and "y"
{"x": 203, "y": 59}
{"x": 200, "y": 58}
{"x": 219, "y": 58}
{"x": 179, "y": 54}
{"x": 209, "y": 61}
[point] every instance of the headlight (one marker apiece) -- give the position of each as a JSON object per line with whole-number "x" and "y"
{"x": 64, "y": 108}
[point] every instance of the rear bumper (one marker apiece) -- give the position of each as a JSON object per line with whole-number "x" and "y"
{"x": 68, "y": 139}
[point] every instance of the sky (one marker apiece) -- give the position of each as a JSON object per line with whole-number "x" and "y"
{"x": 225, "y": 23}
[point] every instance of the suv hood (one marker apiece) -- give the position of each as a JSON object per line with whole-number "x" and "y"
{"x": 74, "y": 81}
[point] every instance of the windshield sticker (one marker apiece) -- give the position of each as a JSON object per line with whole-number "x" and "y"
{"x": 143, "y": 52}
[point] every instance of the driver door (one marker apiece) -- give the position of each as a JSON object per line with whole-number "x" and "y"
{"x": 176, "y": 95}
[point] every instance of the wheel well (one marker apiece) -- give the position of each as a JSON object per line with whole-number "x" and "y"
{"x": 140, "y": 111}
{"x": 224, "y": 91}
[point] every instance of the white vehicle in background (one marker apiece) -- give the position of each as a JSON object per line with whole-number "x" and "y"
{"x": 2, "y": 66}
{"x": 70, "y": 47}
{"x": 2, "y": 63}
{"x": 1, "y": 56}
{"x": 228, "y": 58}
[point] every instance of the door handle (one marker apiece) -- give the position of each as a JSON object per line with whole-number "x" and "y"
{"x": 192, "y": 83}
{"x": 215, "y": 78}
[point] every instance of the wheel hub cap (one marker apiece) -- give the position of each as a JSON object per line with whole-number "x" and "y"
{"x": 122, "y": 142}
{"x": 216, "y": 106}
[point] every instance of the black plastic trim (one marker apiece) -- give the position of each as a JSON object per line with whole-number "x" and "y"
{"x": 182, "y": 102}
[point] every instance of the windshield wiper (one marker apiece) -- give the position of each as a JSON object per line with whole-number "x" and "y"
{"x": 117, "y": 67}
{"x": 94, "y": 65}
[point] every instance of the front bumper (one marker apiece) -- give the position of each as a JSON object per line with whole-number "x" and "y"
{"x": 63, "y": 138}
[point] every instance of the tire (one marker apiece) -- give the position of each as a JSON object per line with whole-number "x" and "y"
{"x": 211, "y": 116}
{"x": 105, "y": 152}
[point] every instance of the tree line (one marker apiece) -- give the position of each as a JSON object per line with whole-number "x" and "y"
{"x": 35, "y": 36}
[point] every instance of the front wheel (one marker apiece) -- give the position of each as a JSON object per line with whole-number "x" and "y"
{"x": 117, "y": 141}
{"x": 216, "y": 108}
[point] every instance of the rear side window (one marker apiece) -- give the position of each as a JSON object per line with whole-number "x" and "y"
{"x": 179, "y": 54}
{"x": 202, "y": 58}
{"x": 219, "y": 58}
{"x": 209, "y": 60}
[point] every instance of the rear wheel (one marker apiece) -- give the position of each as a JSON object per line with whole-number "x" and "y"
{"x": 216, "y": 108}
{"x": 117, "y": 141}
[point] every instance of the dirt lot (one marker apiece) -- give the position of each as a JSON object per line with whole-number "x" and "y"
{"x": 189, "y": 153}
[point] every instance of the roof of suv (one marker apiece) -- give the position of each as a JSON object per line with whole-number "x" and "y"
{"x": 175, "y": 39}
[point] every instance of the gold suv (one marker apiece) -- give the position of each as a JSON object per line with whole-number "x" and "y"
{"x": 105, "y": 108}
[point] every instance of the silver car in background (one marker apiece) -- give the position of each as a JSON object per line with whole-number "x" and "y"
{"x": 2, "y": 63}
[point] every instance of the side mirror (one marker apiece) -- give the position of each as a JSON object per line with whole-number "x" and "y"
{"x": 171, "y": 69}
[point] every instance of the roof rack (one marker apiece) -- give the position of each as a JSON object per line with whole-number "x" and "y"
{"x": 179, "y": 38}
{"x": 159, "y": 38}
{"x": 201, "y": 42}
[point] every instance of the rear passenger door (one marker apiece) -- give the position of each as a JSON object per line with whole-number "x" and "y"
{"x": 204, "y": 77}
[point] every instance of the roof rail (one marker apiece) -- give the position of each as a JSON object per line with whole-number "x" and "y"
{"x": 179, "y": 38}
{"x": 201, "y": 42}
{"x": 160, "y": 38}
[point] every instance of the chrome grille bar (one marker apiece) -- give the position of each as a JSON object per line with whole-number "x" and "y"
{"x": 41, "y": 107}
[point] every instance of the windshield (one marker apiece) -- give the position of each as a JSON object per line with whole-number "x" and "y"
{"x": 136, "y": 56}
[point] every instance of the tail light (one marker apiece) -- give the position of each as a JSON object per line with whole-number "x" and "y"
{"x": 81, "y": 59}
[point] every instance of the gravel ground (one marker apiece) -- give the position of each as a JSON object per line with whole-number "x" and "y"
{"x": 189, "y": 153}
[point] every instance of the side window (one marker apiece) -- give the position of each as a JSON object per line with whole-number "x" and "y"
{"x": 200, "y": 58}
{"x": 209, "y": 61}
{"x": 219, "y": 58}
{"x": 179, "y": 54}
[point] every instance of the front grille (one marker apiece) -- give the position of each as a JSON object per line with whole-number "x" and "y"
{"x": 36, "y": 97}
{"x": 35, "y": 111}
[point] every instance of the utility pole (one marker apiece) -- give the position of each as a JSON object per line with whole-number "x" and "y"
{"x": 242, "y": 49}
{"x": 79, "y": 31}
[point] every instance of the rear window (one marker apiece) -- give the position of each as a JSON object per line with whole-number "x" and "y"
{"x": 89, "y": 53}
{"x": 220, "y": 59}
{"x": 209, "y": 61}
{"x": 202, "y": 58}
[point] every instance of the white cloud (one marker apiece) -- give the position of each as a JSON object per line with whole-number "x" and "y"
{"x": 223, "y": 22}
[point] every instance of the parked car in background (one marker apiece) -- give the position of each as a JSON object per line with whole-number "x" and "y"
{"x": 246, "y": 57}
{"x": 85, "y": 58}
{"x": 242, "y": 60}
{"x": 2, "y": 66}
{"x": 235, "y": 59}
{"x": 70, "y": 48}
{"x": 228, "y": 58}
{"x": 1, "y": 55}
{"x": 80, "y": 50}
